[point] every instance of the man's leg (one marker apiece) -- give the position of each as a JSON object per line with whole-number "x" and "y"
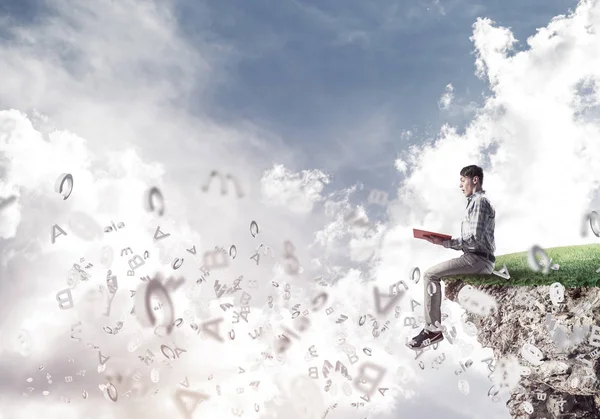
{"x": 465, "y": 264}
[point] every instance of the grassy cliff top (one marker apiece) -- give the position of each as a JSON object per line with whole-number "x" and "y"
{"x": 577, "y": 268}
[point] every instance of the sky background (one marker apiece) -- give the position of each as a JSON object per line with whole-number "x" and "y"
{"x": 310, "y": 106}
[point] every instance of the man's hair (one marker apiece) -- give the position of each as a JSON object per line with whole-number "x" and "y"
{"x": 472, "y": 171}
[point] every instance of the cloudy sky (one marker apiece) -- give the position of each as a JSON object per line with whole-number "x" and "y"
{"x": 309, "y": 106}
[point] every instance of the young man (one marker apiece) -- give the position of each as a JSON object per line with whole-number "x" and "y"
{"x": 477, "y": 243}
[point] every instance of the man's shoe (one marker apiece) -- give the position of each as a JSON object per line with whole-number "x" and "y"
{"x": 424, "y": 339}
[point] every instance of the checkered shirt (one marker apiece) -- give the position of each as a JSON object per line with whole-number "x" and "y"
{"x": 477, "y": 228}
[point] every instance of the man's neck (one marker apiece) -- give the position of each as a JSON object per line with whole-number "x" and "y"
{"x": 474, "y": 192}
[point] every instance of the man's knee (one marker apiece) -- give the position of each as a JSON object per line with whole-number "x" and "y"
{"x": 431, "y": 275}
{"x": 432, "y": 281}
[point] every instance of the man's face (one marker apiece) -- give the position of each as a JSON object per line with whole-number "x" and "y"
{"x": 467, "y": 186}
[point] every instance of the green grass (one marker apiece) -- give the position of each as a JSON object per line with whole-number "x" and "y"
{"x": 578, "y": 266}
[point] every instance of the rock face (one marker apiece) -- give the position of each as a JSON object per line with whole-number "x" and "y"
{"x": 563, "y": 381}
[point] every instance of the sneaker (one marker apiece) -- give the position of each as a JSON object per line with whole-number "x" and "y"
{"x": 424, "y": 339}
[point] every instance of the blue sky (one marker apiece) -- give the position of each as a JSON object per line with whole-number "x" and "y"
{"x": 296, "y": 73}
{"x": 314, "y": 73}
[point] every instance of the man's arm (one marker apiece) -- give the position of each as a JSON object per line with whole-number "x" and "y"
{"x": 455, "y": 244}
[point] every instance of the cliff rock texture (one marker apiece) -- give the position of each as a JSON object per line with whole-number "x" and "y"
{"x": 563, "y": 382}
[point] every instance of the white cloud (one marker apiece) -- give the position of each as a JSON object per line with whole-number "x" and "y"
{"x": 99, "y": 91}
{"x": 400, "y": 165}
{"x": 492, "y": 45}
{"x": 113, "y": 78}
{"x": 529, "y": 121}
{"x": 296, "y": 191}
{"x": 536, "y": 139}
{"x": 456, "y": 106}
{"x": 118, "y": 136}
{"x": 446, "y": 99}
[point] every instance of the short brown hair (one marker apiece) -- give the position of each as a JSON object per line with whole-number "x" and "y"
{"x": 472, "y": 171}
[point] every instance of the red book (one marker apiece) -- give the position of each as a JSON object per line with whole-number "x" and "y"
{"x": 421, "y": 234}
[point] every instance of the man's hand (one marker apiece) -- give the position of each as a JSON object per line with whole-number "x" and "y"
{"x": 435, "y": 240}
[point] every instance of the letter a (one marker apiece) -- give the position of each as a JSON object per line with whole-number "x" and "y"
{"x": 162, "y": 235}
{"x": 194, "y": 397}
{"x": 54, "y": 235}
{"x": 214, "y": 324}
{"x": 103, "y": 359}
{"x": 392, "y": 301}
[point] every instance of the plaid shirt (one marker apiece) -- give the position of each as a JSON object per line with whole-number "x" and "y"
{"x": 477, "y": 229}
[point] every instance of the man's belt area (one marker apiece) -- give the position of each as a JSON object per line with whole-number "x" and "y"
{"x": 489, "y": 257}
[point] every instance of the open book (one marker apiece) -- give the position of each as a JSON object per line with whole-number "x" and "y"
{"x": 421, "y": 234}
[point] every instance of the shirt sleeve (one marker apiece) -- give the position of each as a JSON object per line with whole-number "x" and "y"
{"x": 481, "y": 213}
{"x": 455, "y": 244}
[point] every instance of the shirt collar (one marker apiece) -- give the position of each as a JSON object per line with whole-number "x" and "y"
{"x": 481, "y": 192}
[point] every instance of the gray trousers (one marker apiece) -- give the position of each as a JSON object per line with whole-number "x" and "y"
{"x": 468, "y": 263}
